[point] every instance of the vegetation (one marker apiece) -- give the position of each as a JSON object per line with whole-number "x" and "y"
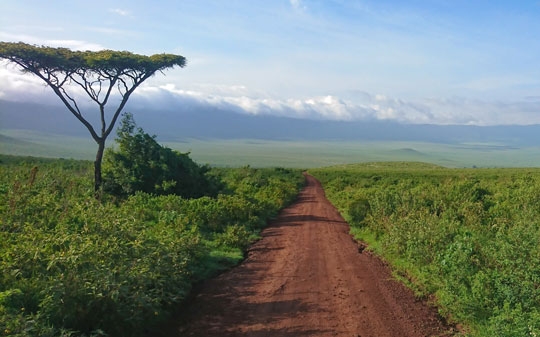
{"x": 97, "y": 74}
{"x": 285, "y": 153}
{"x": 467, "y": 238}
{"x": 75, "y": 266}
{"x": 142, "y": 165}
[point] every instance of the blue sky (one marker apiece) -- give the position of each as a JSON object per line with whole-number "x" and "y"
{"x": 439, "y": 61}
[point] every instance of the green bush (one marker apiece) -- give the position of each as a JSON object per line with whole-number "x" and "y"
{"x": 234, "y": 236}
{"x": 359, "y": 210}
{"x": 142, "y": 165}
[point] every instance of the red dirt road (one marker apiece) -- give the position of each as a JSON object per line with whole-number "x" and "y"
{"x": 306, "y": 277}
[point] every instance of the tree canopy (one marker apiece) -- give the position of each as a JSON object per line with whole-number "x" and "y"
{"x": 97, "y": 73}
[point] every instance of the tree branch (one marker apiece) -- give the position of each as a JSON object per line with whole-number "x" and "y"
{"x": 72, "y": 100}
{"x": 112, "y": 83}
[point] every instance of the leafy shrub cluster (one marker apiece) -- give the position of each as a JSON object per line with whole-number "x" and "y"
{"x": 468, "y": 237}
{"x": 75, "y": 266}
{"x": 141, "y": 164}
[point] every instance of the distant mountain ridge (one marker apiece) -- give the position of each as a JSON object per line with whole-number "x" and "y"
{"x": 209, "y": 123}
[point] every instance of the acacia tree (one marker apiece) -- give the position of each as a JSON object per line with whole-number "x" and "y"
{"x": 100, "y": 74}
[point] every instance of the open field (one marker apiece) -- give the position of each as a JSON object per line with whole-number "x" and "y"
{"x": 301, "y": 154}
{"x": 31, "y": 143}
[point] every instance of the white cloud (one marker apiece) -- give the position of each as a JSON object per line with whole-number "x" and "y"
{"x": 72, "y": 44}
{"x": 365, "y": 107}
{"x": 17, "y": 87}
{"x": 298, "y": 4}
{"x": 357, "y": 106}
{"x": 119, "y": 11}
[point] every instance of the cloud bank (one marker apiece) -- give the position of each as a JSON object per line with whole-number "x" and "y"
{"x": 357, "y": 106}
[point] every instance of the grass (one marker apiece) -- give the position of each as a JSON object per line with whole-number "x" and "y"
{"x": 297, "y": 154}
{"x": 36, "y": 144}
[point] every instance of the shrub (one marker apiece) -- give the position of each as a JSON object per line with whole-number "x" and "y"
{"x": 141, "y": 164}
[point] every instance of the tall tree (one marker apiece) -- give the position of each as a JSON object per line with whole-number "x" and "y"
{"x": 99, "y": 74}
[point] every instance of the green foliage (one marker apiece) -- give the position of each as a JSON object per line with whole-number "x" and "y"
{"x": 142, "y": 165}
{"x": 75, "y": 266}
{"x": 102, "y": 62}
{"x": 234, "y": 236}
{"x": 97, "y": 73}
{"x": 469, "y": 237}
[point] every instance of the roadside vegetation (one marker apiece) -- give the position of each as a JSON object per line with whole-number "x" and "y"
{"x": 74, "y": 265}
{"x": 468, "y": 239}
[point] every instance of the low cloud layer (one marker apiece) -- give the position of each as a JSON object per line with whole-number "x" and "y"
{"x": 356, "y": 106}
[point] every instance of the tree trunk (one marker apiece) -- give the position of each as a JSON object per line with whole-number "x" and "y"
{"x": 97, "y": 167}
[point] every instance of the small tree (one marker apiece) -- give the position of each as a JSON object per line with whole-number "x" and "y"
{"x": 141, "y": 164}
{"x": 98, "y": 74}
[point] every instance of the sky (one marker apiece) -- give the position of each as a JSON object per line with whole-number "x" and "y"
{"x": 416, "y": 61}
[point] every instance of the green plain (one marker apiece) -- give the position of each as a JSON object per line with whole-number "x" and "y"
{"x": 296, "y": 154}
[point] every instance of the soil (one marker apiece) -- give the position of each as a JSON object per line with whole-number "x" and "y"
{"x": 308, "y": 277}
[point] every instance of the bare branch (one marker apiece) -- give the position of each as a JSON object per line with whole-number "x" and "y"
{"x": 112, "y": 83}
{"x": 72, "y": 100}
{"x": 122, "y": 82}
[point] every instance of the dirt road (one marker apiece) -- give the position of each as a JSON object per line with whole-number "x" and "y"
{"x": 307, "y": 277}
